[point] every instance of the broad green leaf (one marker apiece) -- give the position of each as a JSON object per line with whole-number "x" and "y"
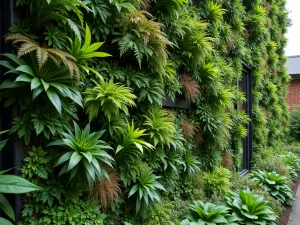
{"x": 54, "y": 98}
{"x": 5, "y": 221}
{"x": 6, "y": 207}
{"x": 133, "y": 190}
{"x": 74, "y": 160}
{"x": 26, "y": 69}
{"x": 24, "y": 78}
{"x": 2, "y": 144}
{"x": 11, "y": 184}
{"x": 35, "y": 83}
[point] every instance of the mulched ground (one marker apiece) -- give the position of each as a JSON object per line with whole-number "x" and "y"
{"x": 284, "y": 217}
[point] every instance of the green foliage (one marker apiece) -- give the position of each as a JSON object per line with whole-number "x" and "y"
{"x": 267, "y": 160}
{"x": 130, "y": 146}
{"x": 37, "y": 164}
{"x": 160, "y": 126}
{"x": 292, "y": 162}
{"x": 209, "y": 213}
{"x": 69, "y": 213}
{"x": 250, "y": 208}
{"x": 111, "y": 98}
{"x": 146, "y": 40}
{"x": 11, "y": 184}
{"x": 46, "y": 12}
{"x": 160, "y": 50}
{"x": 159, "y": 214}
{"x": 217, "y": 181}
{"x": 191, "y": 164}
{"x": 145, "y": 189}
{"x": 275, "y": 184}
{"x": 86, "y": 51}
{"x": 85, "y": 153}
{"x": 42, "y": 120}
{"x": 294, "y": 124}
{"x": 40, "y": 75}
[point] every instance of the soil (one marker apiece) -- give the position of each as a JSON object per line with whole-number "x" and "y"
{"x": 284, "y": 216}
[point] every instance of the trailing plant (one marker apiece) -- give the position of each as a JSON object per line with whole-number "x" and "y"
{"x": 250, "y": 208}
{"x": 84, "y": 154}
{"x": 275, "y": 184}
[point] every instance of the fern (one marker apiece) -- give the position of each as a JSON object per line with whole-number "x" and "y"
{"x": 152, "y": 93}
{"x": 41, "y": 120}
{"x": 143, "y": 36}
{"x": 45, "y": 12}
{"x": 43, "y": 53}
{"x": 160, "y": 126}
{"x": 55, "y": 37}
{"x": 110, "y": 98}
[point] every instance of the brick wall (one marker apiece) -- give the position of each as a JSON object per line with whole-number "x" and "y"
{"x": 293, "y": 97}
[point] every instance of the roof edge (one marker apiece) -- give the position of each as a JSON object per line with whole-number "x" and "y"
{"x": 293, "y": 56}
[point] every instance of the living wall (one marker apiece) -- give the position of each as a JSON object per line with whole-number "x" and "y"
{"x": 89, "y": 78}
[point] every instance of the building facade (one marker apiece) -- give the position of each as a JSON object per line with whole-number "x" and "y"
{"x": 293, "y": 65}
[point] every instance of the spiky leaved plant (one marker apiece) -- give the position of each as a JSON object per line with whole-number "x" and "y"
{"x": 160, "y": 126}
{"x": 84, "y": 154}
{"x": 108, "y": 97}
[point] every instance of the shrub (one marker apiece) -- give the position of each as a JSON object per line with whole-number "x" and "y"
{"x": 275, "y": 184}
{"x": 250, "y": 208}
{"x": 267, "y": 160}
{"x": 295, "y": 123}
{"x": 209, "y": 213}
{"x": 294, "y": 148}
{"x": 159, "y": 214}
{"x": 292, "y": 162}
{"x": 217, "y": 181}
{"x": 273, "y": 203}
{"x": 160, "y": 126}
{"x": 73, "y": 212}
{"x": 240, "y": 182}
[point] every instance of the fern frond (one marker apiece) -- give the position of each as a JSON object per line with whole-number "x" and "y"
{"x": 111, "y": 98}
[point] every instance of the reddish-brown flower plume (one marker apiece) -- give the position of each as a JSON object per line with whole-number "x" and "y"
{"x": 108, "y": 191}
{"x": 191, "y": 88}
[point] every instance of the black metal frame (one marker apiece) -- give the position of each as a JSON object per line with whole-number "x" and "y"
{"x": 13, "y": 153}
{"x": 180, "y": 103}
{"x": 248, "y": 141}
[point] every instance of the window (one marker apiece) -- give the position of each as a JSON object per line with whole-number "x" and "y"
{"x": 245, "y": 85}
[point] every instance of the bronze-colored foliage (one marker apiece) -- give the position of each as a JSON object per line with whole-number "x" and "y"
{"x": 227, "y": 161}
{"x": 108, "y": 191}
{"x": 28, "y": 45}
{"x": 188, "y": 129}
{"x": 199, "y": 136}
{"x": 191, "y": 88}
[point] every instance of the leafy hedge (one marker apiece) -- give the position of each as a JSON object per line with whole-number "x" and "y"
{"x": 63, "y": 74}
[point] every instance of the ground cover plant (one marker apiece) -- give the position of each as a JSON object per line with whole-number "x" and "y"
{"x": 89, "y": 80}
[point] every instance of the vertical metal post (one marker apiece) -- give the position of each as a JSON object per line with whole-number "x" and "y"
{"x": 12, "y": 155}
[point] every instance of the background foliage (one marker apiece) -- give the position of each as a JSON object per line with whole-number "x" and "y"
{"x": 153, "y": 50}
